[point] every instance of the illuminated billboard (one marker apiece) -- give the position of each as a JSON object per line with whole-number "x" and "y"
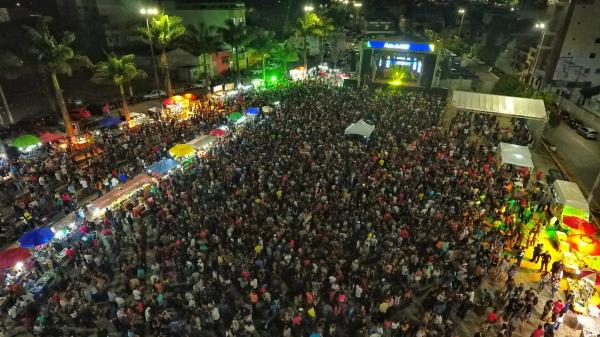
{"x": 402, "y": 46}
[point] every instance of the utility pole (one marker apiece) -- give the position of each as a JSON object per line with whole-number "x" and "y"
{"x": 542, "y": 27}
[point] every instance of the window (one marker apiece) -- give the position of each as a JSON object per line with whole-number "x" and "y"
{"x": 597, "y": 40}
{"x": 598, "y": 71}
{"x": 586, "y": 71}
{"x": 593, "y": 55}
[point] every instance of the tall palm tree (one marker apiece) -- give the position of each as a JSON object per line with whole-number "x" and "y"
{"x": 54, "y": 56}
{"x": 309, "y": 24}
{"x": 164, "y": 30}
{"x": 262, "y": 44}
{"x": 284, "y": 54}
{"x": 237, "y": 37}
{"x": 118, "y": 70}
{"x": 8, "y": 62}
{"x": 202, "y": 40}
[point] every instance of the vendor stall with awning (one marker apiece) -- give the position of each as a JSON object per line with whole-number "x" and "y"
{"x": 516, "y": 155}
{"x": 121, "y": 193}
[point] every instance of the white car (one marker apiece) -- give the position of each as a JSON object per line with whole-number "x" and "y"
{"x": 155, "y": 94}
{"x": 199, "y": 84}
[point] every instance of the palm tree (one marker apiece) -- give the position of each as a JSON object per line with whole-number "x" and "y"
{"x": 284, "y": 54}
{"x": 309, "y": 24}
{"x": 164, "y": 29}
{"x": 54, "y": 56}
{"x": 236, "y": 36}
{"x": 327, "y": 28}
{"x": 202, "y": 40}
{"x": 118, "y": 70}
{"x": 8, "y": 61}
{"x": 262, "y": 44}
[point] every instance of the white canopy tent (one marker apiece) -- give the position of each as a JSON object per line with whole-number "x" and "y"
{"x": 202, "y": 142}
{"x": 360, "y": 128}
{"x": 569, "y": 194}
{"x": 515, "y": 155}
{"x": 500, "y": 105}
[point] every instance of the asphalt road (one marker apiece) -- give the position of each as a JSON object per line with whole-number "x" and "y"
{"x": 580, "y": 157}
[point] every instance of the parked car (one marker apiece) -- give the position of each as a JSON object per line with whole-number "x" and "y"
{"x": 588, "y": 133}
{"x": 155, "y": 94}
{"x": 555, "y": 174}
{"x": 574, "y": 123}
{"x": 80, "y": 113}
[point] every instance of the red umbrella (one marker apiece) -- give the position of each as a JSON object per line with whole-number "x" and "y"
{"x": 10, "y": 257}
{"x": 579, "y": 226}
{"x": 48, "y": 137}
{"x": 168, "y": 101}
{"x": 591, "y": 275}
{"x": 584, "y": 244}
{"x": 217, "y": 133}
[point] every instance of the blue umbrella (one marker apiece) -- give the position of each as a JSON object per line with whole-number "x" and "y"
{"x": 36, "y": 237}
{"x": 162, "y": 166}
{"x": 109, "y": 121}
{"x": 253, "y": 111}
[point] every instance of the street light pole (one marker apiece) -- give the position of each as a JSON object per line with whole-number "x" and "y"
{"x": 462, "y": 17}
{"x": 147, "y": 12}
{"x": 542, "y": 27}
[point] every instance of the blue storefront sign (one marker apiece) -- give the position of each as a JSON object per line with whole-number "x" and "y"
{"x": 401, "y": 46}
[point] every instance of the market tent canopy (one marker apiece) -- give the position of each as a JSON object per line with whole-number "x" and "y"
{"x": 235, "y": 116}
{"x": 25, "y": 141}
{"x": 569, "y": 194}
{"x": 253, "y": 111}
{"x": 10, "y": 257}
{"x": 360, "y": 128}
{"x": 500, "y": 105}
{"x": 515, "y": 155}
{"x": 181, "y": 150}
{"x": 36, "y": 237}
{"x": 218, "y": 132}
{"x": 202, "y": 142}
{"x": 108, "y": 121}
{"x": 48, "y": 137}
{"x": 98, "y": 206}
{"x": 162, "y": 166}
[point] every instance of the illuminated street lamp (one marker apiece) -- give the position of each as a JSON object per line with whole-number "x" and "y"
{"x": 148, "y": 12}
{"x": 357, "y": 4}
{"x": 462, "y": 17}
{"x": 308, "y": 8}
{"x": 542, "y": 27}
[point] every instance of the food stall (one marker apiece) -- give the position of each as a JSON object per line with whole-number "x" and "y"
{"x": 569, "y": 201}
{"x": 202, "y": 144}
{"x": 118, "y": 196}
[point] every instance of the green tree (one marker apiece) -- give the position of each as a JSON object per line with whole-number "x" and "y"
{"x": 202, "y": 40}
{"x": 510, "y": 85}
{"x": 53, "y": 57}
{"x": 309, "y": 25}
{"x": 262, "y": 44}
{"x": 164, "y": 30}
{"x": 118, "y": 70}
{"x": 284, "y": 54}
{"x": 237, "y": 37}
{"x": 8, "y": 62}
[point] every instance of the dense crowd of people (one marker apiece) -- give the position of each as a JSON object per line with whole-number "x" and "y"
{"x": 291, "y": 228}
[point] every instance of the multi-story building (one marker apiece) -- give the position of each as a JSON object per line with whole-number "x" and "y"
{"x": 569, "y": 59}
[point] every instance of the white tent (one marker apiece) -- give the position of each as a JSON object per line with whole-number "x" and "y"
{"x": 516, "y": 155}
{"x": 202, "y": 142}
{"x": 360, "y": 128}
{"x": 500, "y": 105}
{"x": 569, "y": 194}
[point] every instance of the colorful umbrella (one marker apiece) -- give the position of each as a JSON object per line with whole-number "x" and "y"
{"x": 181, "y": 150}
{"x": 235, "y": 116}
{"x": 253, "y": 111}
{"x": 584, "y": 244}
{"x": 36, "y": 237}
{"x": 10, "y": 257}
{"x": 217, "y": 133}
{"x": 590, "y": 275}
{"x": 578, "y": 225}
{"x": 48, "y": 137}
{"x": 190, "y": 96}
{"x": 109, "y": 121}
{"x": 25, "y": 141}
{"x": 163, "y": 166}
{"x": 168, "y": 101}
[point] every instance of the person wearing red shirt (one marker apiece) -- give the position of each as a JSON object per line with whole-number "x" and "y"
{"x": 539, "y": 332}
